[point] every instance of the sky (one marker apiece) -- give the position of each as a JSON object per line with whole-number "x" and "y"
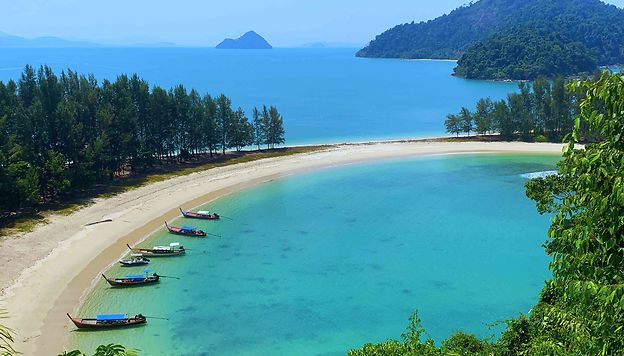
{"x": 284, "y": 23}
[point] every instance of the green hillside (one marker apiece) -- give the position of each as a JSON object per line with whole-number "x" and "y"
{"x": 597, "y": 26}
{"x": 524, "y": 55}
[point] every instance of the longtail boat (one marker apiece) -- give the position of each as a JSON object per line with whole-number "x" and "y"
{"x": 205, "y": 215}
{"x": 107, "y": 321}
{"x": 132, "y": 280}
{"x": 185, "y": 230}
{"x": 174, "y": 249}
{"x": 136, "y": 259}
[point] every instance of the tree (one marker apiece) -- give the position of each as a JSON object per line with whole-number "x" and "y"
{"x": 453, "y": 124}
{"x": 542, "y": 100}
{"x": 61, "y": 134}
{"x": 224, "y": 117}
{"x": 483, "y": 117}
{"x": 241, "y": 134}
{"x": 259, "y": 128}
{"x": 275, "y": 128}
{"x": 466, "y": 120}
{"x": 209, "y": 125}
{"x": 585, "y": 237}
{"x": 537, "y": 110}
{"x": 265, "y": 122}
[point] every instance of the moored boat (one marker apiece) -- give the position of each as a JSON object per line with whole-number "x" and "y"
{"x": 174, "y": 249}
{"x": 185, "y": 230}
{"x": 205, "y": 215}
{"x": 132, "y": 280}
{"x": 136, "y": 259}
{"x": 107, "y": 321}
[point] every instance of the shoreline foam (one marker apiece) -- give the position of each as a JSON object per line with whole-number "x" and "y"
{"x": 58, "y": 262}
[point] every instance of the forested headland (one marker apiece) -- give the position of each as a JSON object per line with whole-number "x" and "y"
{"x": 543, "y": 111}
{"x": 544, "y": 35}
{"x": 526, "y": 54}
{"x": 581, "y": 310}
{"x": 63, "y": 133}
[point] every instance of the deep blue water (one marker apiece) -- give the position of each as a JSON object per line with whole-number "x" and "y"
{"x": 319, "y": 263}
{"x": 326, "y": 95}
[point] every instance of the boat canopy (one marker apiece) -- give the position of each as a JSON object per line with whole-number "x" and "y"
{"x": 104, "y": 317}
{"x": 188, "y": 228}
{"x": 161, "y": 247}
{"x": 135, "y": 276}
{"x": 203, "y": 212}
{"x": 137, "y": 255}
{"x": 174, "y": 244}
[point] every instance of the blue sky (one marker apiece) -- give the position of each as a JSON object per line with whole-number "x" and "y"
{"x": 205, "y": 22}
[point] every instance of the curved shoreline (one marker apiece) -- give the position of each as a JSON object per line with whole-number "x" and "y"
{"x": 56, "y": 283}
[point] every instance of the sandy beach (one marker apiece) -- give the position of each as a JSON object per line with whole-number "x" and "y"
{"x": 45, "y": 273}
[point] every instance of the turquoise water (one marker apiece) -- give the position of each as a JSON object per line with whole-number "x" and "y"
{"x": 323, "y": 262}
{"x": 326, "y": 95}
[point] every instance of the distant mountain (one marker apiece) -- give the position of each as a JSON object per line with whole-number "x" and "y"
{"x": 7, "y": 40}
{"x": 597, "y": 26}
{"x": 249, "y": 40}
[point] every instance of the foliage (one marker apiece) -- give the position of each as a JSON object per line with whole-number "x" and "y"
{"x": 525, "y": 54}
{"x": 587, "y": 200}
{"x": 60, "y": 134}
{"x": 541, "y": 111}
{"x": 105, "y": 350}
{"x": 6, "y": 338}
{"x": 598, "y": 27}
{"x": 412, "y": 345}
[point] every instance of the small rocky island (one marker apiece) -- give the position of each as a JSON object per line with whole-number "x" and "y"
{"x": 249, "y": 40}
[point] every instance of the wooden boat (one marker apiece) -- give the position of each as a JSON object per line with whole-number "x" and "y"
{"x": 174, "y": 249}
{"x": 185, "y": 230}
{"x": 136, "y": 259}
{"x": 108, "y": 321}
{"x": 132, "y": 280}
{"x": 205, "y": 215}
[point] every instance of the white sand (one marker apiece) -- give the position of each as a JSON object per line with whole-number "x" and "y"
{"x": 45, "y": 273}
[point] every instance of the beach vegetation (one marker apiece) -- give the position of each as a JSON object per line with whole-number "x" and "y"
{"x": 62, "y": 134}
{"x": 105, "y": 350}
{"x": 580, "y": 311}
{"x": 543, "y": 110}
{"x": 453, "y": 124}
{"x": 7, "y": 337}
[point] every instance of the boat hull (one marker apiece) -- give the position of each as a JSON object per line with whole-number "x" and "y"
{"x": 125, "y": 263}
{"x": 200, "y": 217}
{"x": 187, "y": 234}
{"x": 192, "y": 215}
{"x": 162, "y": 254}
{"x": 129, "y": 282}
{"x": 94, "y": 324}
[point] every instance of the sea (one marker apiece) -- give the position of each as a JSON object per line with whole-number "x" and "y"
{"x": 325, "y": 95}
{"x": 323, "y": 262}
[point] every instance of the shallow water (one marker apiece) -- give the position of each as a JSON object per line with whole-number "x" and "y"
{"x": 319, "y": 263}
{"x": 326, "y": 95}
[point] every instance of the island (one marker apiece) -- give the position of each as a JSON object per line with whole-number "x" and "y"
{"x": 250, "y": 40}
{"x": 547, "y": 37}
